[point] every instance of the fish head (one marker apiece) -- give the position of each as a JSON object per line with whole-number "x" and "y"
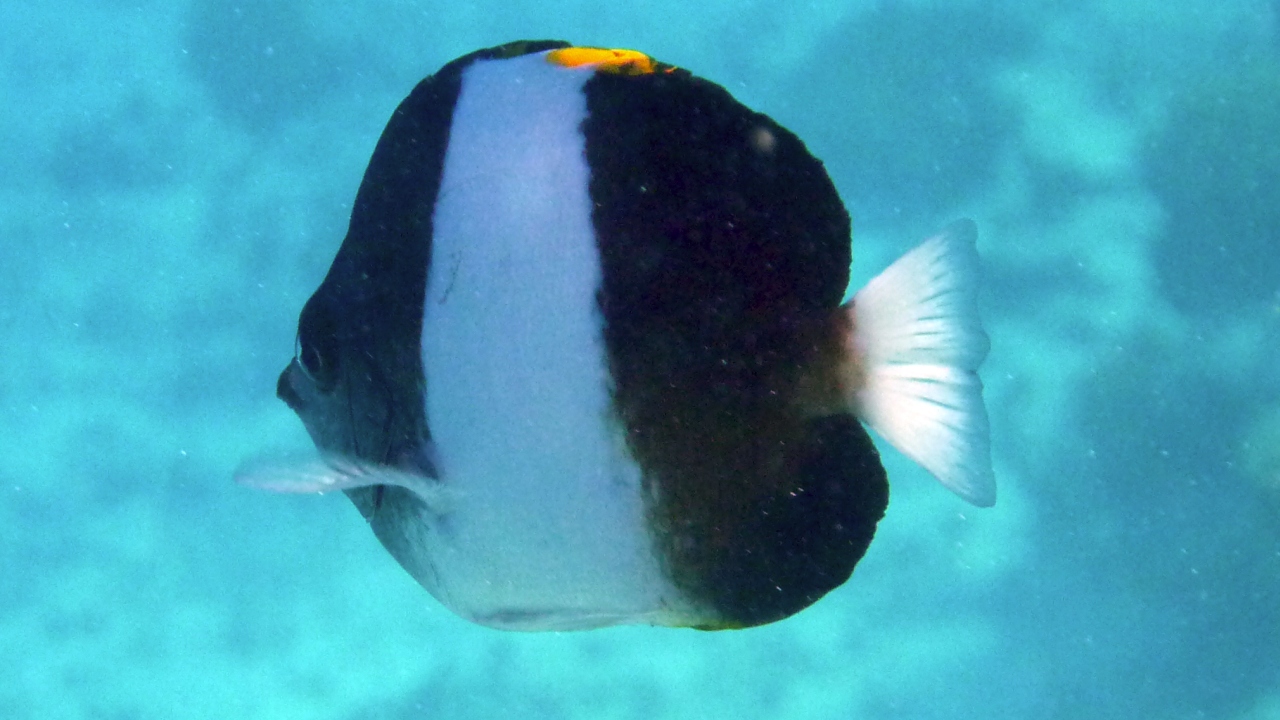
{"x": 345, "y": 387}
{"x": 324, "y": 382}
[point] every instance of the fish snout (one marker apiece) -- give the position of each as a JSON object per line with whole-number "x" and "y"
{"x": 285, "y": 389}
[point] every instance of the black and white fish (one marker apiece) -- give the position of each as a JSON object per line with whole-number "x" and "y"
{"x": 582, "y": 360}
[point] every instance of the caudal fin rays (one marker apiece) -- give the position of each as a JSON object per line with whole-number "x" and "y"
{"x": 916, "y": 346}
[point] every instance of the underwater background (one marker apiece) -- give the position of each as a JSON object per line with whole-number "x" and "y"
{"x": 176, "y": 176}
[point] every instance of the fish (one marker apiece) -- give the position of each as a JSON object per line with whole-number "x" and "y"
{"x": 583, "y": 360}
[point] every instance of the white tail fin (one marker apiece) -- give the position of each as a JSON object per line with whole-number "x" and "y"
{"x": 326, "y": 473}
{"x": 917, "y": 344}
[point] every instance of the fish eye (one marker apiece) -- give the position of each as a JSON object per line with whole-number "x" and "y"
{"x": 315, "y": 347}
{"x": 309, "y": 359}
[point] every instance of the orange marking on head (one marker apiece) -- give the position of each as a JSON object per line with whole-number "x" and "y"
{"x": 618, "y": 62}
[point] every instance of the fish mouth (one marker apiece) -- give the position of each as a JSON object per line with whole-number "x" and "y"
{"x": 285, "y": 390}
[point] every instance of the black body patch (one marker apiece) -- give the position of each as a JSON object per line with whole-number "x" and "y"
{"x": 725, "y": 250}
{"x": 802, "y": 542}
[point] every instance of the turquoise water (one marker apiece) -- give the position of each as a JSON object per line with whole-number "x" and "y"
{"x": 176, "y": 176}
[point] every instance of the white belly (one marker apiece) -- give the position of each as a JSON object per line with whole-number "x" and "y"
{"x": 549, "y": 528}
